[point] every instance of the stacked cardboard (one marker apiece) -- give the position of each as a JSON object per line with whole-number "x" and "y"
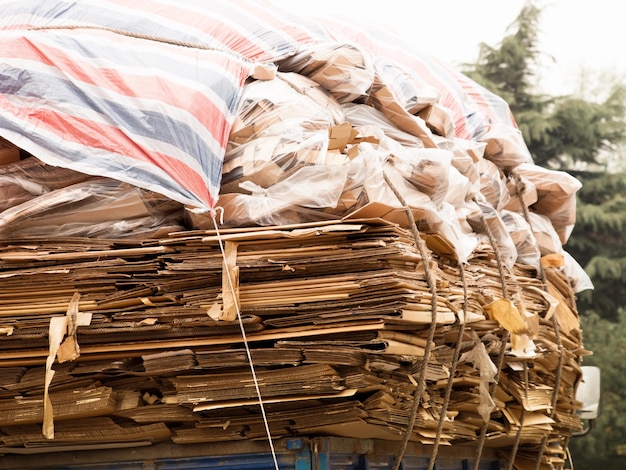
{"x": 367, "y": 252}
{"x": 336, "y": 317}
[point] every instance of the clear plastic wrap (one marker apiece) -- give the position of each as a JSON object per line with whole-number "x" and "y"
{"x": 298, "y": 198}
{"x": 360, "y": 115}
{"x": 382, "y": 98}
{"x": 573, "y": 270}
{"x": 505, "y": 146}
{"x": 430, "y": 217}
{"x": 504, "y": 242}
{"x": 427, "y": 170}
{"x": 547, "y": 238}
{"x": 283, "y": 125}
{"x": 100, "y": 207}
{"x": 341, "y": 68}
{"x": 29, "y": 178}
{"x": 477, "y": 113}
{"x": 413, "y": 96}
{"x": 524, "y": 196}
{"x": 460, "y": 188}
{"x": 528, "y": 251}
{"x": 556, "y": 196}
{"x": 492, "y": 184}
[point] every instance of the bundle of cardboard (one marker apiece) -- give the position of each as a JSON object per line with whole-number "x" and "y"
{"x": 366, "y": 251}
{"x": 336, "y": 315}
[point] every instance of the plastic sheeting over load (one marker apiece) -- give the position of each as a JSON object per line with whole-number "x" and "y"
{"x": 162, "y": 95}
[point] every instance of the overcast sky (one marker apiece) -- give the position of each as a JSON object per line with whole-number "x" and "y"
{"x": 576, "y": 33}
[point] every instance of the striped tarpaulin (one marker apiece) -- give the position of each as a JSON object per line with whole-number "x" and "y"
{"x": 252, "y": 28}
{"x": 144, "y": 92}
{"x": 147, "y": 113}
{"x": 474, "y": 107}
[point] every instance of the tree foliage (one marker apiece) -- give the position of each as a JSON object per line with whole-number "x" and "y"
{"x": 582, "y": 136}
{"x": 562, "y": 132}
{"x": 605, "y": 443}
{"x": 598, "y": 241}
{"x": 574, "y": 134}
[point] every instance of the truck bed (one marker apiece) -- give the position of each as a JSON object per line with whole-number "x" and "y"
{"x": 320, "y": 453}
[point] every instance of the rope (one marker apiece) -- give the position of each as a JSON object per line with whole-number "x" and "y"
{"x": 248, "y": 353}
{"x": 492, "y": 390}
{"x": 519, "y": 189}
{"x": 417, "y": 396}
{"x": 147, "y": 37}
{"x": 505, "y": 338}
{"x": 453, "y": 367}
{"x": 518, "y": 436}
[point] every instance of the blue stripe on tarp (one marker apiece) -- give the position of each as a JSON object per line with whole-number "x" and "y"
{"x": 166, "y": 151}
{"x": 51, "y": 90}
{"x": 270, "y": 40}
{"x": 79, "y": 157}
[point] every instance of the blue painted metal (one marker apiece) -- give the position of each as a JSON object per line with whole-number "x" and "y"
{"x": 295, "y": 454}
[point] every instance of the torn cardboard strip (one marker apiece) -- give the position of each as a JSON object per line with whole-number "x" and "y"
{"x": 64, "y": 347}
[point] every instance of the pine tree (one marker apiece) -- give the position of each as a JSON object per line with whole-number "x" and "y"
{"x": 574, "y": 134}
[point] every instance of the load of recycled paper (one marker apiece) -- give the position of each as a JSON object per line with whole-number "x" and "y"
{"x": 343, "y": 148}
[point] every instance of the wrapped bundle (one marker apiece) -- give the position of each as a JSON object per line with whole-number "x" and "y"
{"x": 26, "y": 179}
{"x": 99, "y": 207}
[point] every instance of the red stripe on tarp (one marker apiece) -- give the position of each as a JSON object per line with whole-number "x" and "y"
{"x": 270, "y": 15}
{"x": 88, "y": 134}
{"x": 233, "y": 39}
{"x": 404, "y": 60}
{"x": 481, "y": 97}
{"x": 133, "y": 86}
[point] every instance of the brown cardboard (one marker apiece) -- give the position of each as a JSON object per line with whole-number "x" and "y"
{"x": 9, "y": 153}
{"x": 438, "y": 119}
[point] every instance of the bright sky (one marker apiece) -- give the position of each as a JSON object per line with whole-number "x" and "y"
{"x": 576, "y": 33}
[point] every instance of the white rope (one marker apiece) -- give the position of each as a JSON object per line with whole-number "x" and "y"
{"x": 245, "y": 341}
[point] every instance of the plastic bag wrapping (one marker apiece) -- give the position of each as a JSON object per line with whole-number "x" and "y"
{"x": 29, "y": 178}
{"x": 528, "y": 251}
{"x": 291, "y": 200}
{"x": 268, "y": 160}
{"x": 524, "y": 195}
{"x": 476, "y": 111}
{"x": 504, "y": 242}
{"x": 430, "y": 217}
{"x": 464, "y": 159}
{"x": 472, "y": 148}
{"x": 259, "y": 31}
{"x": 342, "y": 69}
{"x": 412, "y": 94}
{"x": 545, "y": 234}
{"x": 363, "y": 116}
{"x": 556, "y": 196}
{"x": 288, "y": 97}
{"x": 460, "y": 189}
{"x": 279, "y": 129}
{"x": 575, "y": 272}
{"x": 492, "y": 184}
{"x": 364, "y": 182}
{"x": 382, "y": 98}
{"x": 426, "y": 169}
{"x": 99, "y": 207}
{"x": 505, "y": 146}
